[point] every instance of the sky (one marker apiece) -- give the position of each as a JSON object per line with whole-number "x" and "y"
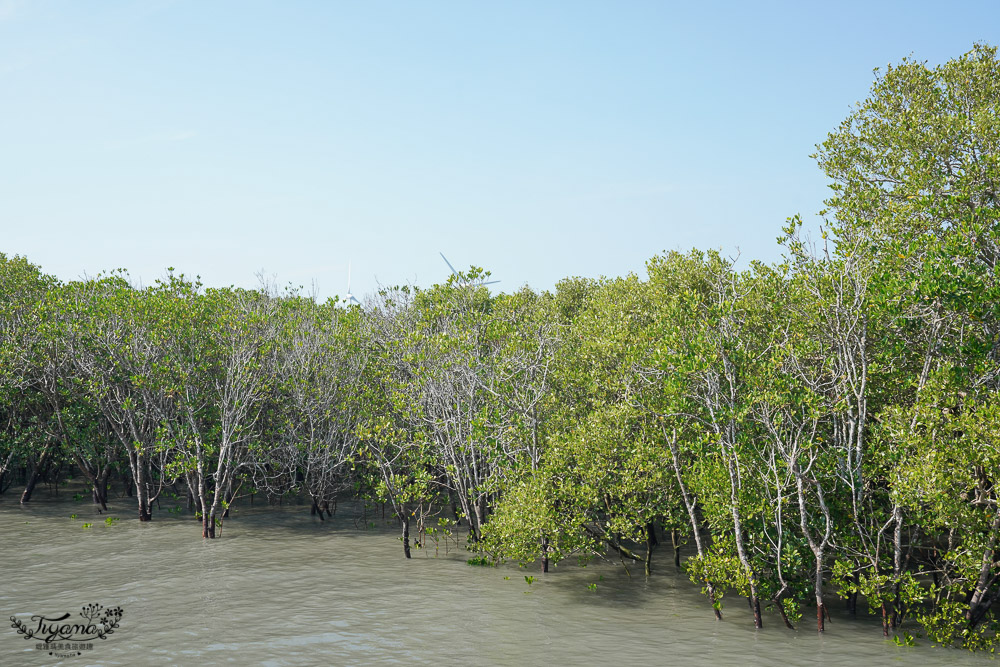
{"x": 538, "y": 140}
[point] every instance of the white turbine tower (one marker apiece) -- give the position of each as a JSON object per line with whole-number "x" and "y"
{"x": 464, "y": 281}
{"x": 349, "y": 300}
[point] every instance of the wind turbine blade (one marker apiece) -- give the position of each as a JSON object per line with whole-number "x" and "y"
{"x": 492, "y": 282}
{"x": 448, "y": 263}
{"x": 348, "y": 276}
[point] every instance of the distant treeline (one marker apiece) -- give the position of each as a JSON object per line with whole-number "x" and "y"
{"x": 824, "y": 427}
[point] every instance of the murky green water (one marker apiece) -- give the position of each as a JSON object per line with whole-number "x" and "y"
{"x": 281, "y": 588}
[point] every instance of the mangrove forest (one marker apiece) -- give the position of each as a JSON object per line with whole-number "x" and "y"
{"x": 823, "y": 430}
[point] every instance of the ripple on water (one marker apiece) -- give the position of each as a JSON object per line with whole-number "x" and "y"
{"x": 281, "y": 588}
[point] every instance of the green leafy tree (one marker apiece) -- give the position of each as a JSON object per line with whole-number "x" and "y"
{"x": 915, "y": 170}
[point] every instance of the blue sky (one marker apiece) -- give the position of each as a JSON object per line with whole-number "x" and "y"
{"x": 536, "y": 139}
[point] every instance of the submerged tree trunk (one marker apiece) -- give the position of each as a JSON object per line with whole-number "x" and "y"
{"x": 817, "y": 545}
{"x": 208, "y": 526}
{"x": 897, "y": 565}
{"x": 741, "y": 550}
{"x": 406, "y": 534}
{"x": 545, "y": 553}
{"x": 480, "y": 518}
{"x": 852, "y": 598}
{"x": 3, "y": 472}
{"x": 650, "y": 543}
{"x": 139, "y": 473}
{"x": 820, "y": 604}
{"x": 29, "y": 487}
{"x": 36, "y": 473}
{"x": 99, "y": 493}
{"x": 784, "y": 616}
{"x": 98, "y": 478}
{"x": 980, "y": 602}
{"x": 689, "y": 504}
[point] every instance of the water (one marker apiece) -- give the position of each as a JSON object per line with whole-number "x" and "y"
{"x": 282, "y": 588}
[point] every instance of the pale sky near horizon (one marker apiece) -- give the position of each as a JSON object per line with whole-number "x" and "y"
{"x": 539, "y": 140}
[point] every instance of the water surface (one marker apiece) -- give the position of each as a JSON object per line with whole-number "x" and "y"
{"x": 282, "y": 588}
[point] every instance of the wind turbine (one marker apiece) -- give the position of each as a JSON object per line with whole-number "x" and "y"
{"x": 465, "y": 281}
{"x": 349, "y": 300}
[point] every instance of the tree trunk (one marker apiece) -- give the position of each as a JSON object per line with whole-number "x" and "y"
{"x": 102, "y": 487}
{"x": 743, "y": 556}
{"x": 981, "y": 608}
{"x": 98, "y": 479}
{"x": 545, "y": 553}
{"x": 690, "y": 505}
{"x": 852, "y": 598}
{"x": 35, "y": 474}
{"x": 3, "y": 471}
{"x": 784, "y": 617}
{"x": 818, "y": 588}
{"x": 650, "y": 543}
{"x": 139, "y": 472}
{"x": 979, "y": 604}
{"x": 29, "y": 488}
{"x": 897, "y": 565}
{"x": 406, "y": 533}
{"x": 741, "y": 551}
{"x": 480, "y": 519}
{"x": 207, "y": 526}
{"x": 100, "y": 497}
{"x": 758, "y": 622}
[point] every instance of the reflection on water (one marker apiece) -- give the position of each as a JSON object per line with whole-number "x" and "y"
{"x": 282, "y": 588}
